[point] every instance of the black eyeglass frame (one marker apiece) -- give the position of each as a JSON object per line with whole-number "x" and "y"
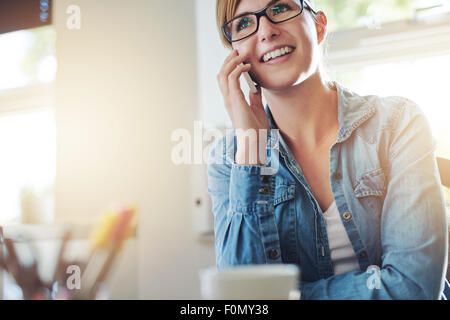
{"x": 263, "y": 13}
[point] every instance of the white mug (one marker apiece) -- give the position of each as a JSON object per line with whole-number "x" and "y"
{"x": 250, "y": 282}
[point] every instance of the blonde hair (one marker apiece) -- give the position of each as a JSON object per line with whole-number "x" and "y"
{"x": 225, "y": 10}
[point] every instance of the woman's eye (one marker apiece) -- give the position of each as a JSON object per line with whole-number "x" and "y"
{"x": 280, "y": 9}
{"x": 244, "y": 23}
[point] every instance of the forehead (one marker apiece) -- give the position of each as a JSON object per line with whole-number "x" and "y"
{"x": 246, "y": 6}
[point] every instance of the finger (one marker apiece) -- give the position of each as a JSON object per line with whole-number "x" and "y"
{"x": 233, "y": 79}
{"x": 222, "y": 75}
{"x": 227, "y": 61}
{"x": 232, "y": 54}
{"x": 223, "y": 84}
{"x": 229, "y": 66}
{"x": 232, "y": 64}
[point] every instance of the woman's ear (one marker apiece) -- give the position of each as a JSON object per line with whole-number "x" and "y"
{"x": 321, "y": 21}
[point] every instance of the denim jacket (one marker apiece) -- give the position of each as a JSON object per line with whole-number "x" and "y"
{"x": 384, "y": 179}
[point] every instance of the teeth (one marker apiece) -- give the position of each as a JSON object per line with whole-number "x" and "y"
{"x": 276, "y": 53}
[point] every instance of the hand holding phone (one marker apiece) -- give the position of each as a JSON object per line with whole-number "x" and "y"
{"x": 249, "y": 81}
{"x": 244, "y": 114}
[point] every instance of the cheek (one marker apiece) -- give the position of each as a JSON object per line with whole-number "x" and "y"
{"x": 244, "y": 48}
{"x": 240, "y": 48}
{"x": 307, "y": 50}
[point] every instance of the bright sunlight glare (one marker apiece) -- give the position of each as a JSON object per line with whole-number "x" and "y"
{"x": 424, "y": 81}
{"x": 28, "y": 147}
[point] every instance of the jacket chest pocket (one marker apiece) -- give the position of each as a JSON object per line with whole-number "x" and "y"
{"x": 284, "y": 191}
{"x": 370, "y": 190}
{"x": 284, "y": 202}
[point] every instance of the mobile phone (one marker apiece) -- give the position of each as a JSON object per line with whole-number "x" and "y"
{"x": 250, "y": 82}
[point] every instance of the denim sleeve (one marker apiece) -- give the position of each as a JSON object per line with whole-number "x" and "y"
{"x": 413, "y": 225}
{"x": 242, "y": 202}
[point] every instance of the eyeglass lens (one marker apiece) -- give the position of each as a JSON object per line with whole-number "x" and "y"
{"x": 243, "y": 26}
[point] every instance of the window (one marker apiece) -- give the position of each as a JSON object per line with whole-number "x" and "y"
{"x": 347, "y": 14}
{"x": 27, "y": 126}
{"x": 27, "y": 57}
{"x": 27, "y": 166}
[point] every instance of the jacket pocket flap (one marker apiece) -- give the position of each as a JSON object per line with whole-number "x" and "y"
{"x": 284, "y": 193}
{"x": 371, "y": 184}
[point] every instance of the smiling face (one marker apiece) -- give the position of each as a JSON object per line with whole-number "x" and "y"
{"x": 297, "y": 41}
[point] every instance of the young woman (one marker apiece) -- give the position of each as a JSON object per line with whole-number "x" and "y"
{"x": 356, "y": 199}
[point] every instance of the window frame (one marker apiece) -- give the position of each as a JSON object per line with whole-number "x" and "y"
{"x": 27, "y": 99}
{"x": 407, "y": 39}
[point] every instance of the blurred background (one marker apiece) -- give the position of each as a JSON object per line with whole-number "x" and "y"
{"x": 92, "y": 91}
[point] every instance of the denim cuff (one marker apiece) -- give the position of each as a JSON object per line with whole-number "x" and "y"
{"x": 251, "y": 191}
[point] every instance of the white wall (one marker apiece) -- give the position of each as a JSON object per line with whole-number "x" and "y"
{"x": 125, "y": 81}
{"x": 211, "y": 54}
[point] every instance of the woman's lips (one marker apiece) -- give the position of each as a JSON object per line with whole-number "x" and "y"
{"x": 279, "y": 60}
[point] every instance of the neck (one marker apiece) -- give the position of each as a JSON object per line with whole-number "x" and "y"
{"x": 306, "y": 114}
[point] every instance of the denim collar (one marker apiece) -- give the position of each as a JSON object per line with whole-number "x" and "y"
{"x": 353, "y": 111}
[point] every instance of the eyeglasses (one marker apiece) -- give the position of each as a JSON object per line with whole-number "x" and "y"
{"x": 277, "y": 11}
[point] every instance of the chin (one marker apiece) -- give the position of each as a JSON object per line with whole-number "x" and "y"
{"x": 291, "y": 76}
{"x": 280, "y": 82}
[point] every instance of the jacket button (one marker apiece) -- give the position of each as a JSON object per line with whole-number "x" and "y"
{"x": 363, "y": 255}
{"x": 265, "y": 179}
{"x": 347, "y": 215}
{"x": 264, "y": 190}
{"x": 273, "y": 254}
{"x": 337, "y": 176}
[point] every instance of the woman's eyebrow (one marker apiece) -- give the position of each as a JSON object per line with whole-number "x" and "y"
{"x": 272, "y": 2}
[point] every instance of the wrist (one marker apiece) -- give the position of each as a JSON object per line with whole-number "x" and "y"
{"x": 253, "y": 155}
{"x": 251, "y": 147}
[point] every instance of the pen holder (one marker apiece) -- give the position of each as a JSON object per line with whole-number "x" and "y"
{"x": 73, "y": 279}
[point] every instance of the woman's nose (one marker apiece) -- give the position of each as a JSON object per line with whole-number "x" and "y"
{"x": 267, "y": 29}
